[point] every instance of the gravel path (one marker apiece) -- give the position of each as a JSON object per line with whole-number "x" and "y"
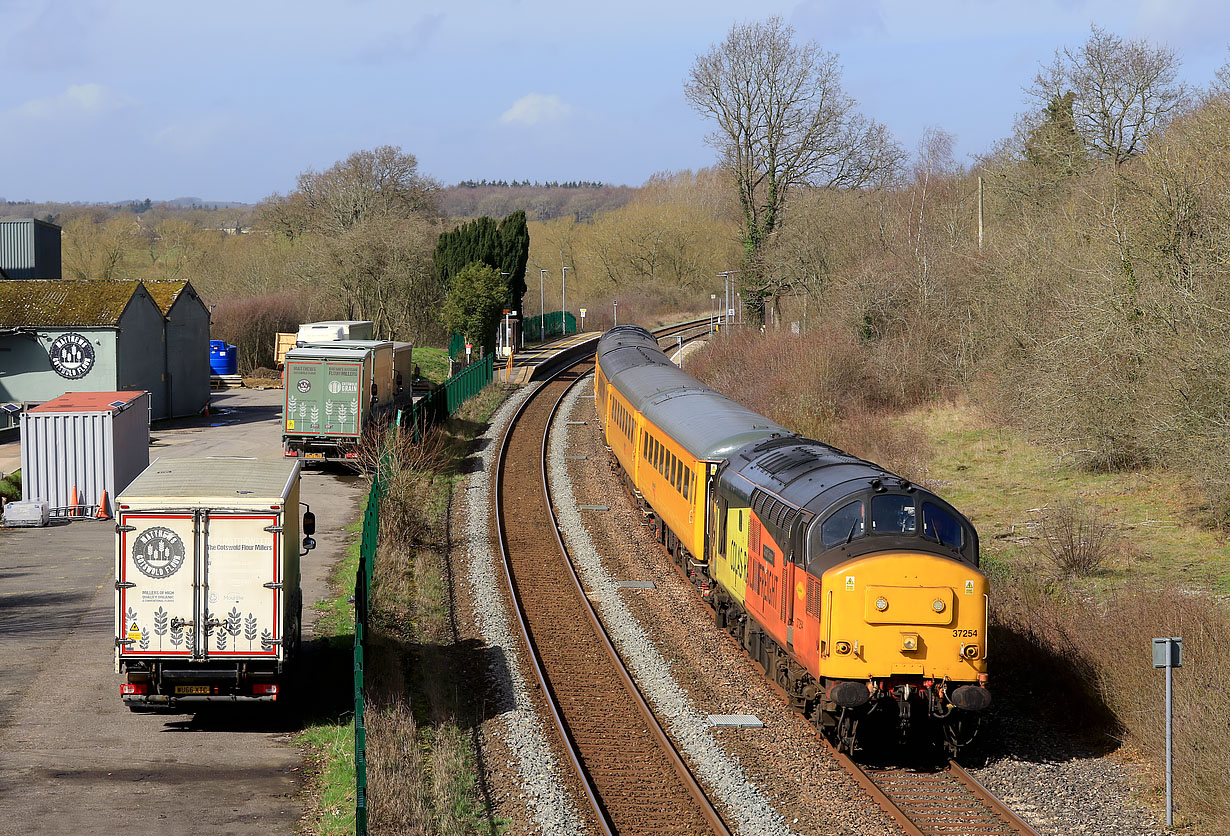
{"x": 528, "y": 786}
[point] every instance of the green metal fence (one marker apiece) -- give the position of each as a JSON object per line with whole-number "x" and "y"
{"x": 362, "y": 589}
{"x": 533, "y": 327}
{"x": 437, "y": 406}
{"x": 444, "y": 401}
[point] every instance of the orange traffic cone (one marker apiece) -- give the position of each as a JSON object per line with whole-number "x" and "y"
{"x": 102, "y": 507}
{"x": 72, "y": 502}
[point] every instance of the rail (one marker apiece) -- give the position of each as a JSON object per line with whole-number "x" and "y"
{"x": 567, "y": 724}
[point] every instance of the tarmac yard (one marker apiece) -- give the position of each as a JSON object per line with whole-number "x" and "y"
{"x": 73, "y": 758}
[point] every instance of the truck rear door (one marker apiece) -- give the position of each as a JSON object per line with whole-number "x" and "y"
{"x": 242, "y": 584}
{"x": 156, "y": 569}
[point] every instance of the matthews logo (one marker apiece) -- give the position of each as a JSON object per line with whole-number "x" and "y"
{"x": 158, "y": 552}
{"x": 304, "y": 385}
{"x": 337, "y": 387}
{"x": 72, "y": 356}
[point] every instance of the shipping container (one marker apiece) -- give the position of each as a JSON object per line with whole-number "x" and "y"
{"x": 78, "y": 451}
{"x": 335, "y": 329}
{"x": 208, "y": 606}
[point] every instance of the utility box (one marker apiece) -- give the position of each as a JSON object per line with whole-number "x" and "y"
{"x": 26, "y": 515}
{"x": 79, "y": 450}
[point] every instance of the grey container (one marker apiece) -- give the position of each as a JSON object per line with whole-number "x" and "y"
{"x": 84, "y": 443}
{"x": 29, "y": 249}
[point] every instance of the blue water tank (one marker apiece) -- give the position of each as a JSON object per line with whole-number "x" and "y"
{"x": 223, "y": 358}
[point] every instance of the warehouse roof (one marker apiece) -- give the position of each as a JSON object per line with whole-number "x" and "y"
{"x": 166, "y": 291}
{"x": 63, "y": 302}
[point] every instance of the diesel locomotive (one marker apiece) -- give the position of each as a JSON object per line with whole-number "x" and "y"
{"x": 857, "y": 592}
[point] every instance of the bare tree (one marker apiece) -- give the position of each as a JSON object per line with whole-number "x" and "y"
{"x": 783, "y": 121}
{"x": 1123, "y": 91}
{"x": 383, "y": 182}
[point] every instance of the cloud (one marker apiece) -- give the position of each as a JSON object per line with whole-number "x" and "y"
{"x": 536, "y": 109}
{"x": 79, "y": 101}
{"x": 195, "y": 134}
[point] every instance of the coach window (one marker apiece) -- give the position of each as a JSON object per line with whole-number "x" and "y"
{"x": 892, "y": 514}
{"x": 843, "y": 525}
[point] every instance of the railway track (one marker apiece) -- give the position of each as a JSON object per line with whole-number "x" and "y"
{"x": 946, "y": 801}
{"x": 634, "y": 780}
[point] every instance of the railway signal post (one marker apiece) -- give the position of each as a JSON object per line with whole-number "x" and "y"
{"x": 1168, "y": 654}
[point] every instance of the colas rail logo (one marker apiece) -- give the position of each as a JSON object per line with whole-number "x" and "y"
{"x": 158, "y": 552}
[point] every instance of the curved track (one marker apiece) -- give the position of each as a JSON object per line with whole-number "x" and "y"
{"x": 633, "y": 778}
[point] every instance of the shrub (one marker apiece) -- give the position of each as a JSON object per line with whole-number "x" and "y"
{"x": 1076, "y": 537}
{"x": 250, "y": 325}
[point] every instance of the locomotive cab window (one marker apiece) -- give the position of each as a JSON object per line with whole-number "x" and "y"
{"x": 843, "y": 525}
{"x": 892, "y": 514}
{"x": 941, "y": 525}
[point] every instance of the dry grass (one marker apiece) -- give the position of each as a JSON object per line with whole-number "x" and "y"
{"x": 1097, "y": 651}
{"x": 422, "y": 761}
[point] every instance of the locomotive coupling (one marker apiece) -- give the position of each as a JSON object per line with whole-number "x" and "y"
{"x": 849, "y": 694}
{"x": 970, "y": 698}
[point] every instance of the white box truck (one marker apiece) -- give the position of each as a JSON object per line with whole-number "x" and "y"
{"x": 207, "y": 600}
{"x": 335, "y": 329}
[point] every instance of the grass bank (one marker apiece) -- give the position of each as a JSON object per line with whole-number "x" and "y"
{"x": 424, "y": 765}
{"x": 1084, "y": 637}
{"x": 327, "y": 738}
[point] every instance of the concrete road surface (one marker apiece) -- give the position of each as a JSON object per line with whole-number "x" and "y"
{"x": 73, "y": 759}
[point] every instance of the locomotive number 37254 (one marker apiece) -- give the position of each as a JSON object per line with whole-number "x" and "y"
{"x": 964, "y": 633}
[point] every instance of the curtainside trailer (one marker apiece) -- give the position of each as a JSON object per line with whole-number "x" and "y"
{"x": 335, "y": 390}
{"x": 208, "y": 606}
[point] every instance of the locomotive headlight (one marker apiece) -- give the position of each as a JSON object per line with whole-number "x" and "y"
{"x": 842, "y": 648}
{"x": 881, "y": 603}
{"x": 937, "y": 605}
{"x": 909, "y": 641}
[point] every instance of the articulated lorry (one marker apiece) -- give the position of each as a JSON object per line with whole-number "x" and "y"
{"x": 207, "y": 600}
{"x": 335, "y": 390}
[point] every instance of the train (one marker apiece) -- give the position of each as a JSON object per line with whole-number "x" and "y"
{"x": 857, "y": 592}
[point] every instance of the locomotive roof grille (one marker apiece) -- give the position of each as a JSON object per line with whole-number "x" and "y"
{"x": 771, "y": 509}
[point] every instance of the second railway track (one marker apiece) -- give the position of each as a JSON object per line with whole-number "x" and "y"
{"x": 634, "y": 779}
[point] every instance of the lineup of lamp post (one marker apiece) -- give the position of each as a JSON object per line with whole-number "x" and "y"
{"x": 730, "y": 294}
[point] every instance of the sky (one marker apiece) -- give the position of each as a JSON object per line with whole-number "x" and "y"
{"x": 113, "y": 100}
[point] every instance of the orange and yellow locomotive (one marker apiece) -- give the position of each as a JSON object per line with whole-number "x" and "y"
{"x": 856, "y": 591}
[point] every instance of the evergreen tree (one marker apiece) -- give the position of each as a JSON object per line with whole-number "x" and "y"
{"x": 474, "y": 304}
{"x": 504, "y": 246}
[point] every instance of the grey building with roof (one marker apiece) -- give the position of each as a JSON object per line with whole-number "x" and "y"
{"x": 82, "y": 336}
{"x": 186, "y": 345}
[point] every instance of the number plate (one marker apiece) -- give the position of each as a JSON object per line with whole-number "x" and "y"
{"x": 314, "y": 455}
{"x": 193, "y": 689}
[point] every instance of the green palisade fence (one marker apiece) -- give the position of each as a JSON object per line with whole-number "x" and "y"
{"x": 533, "y": 326}
{"x": 437, "y": 406}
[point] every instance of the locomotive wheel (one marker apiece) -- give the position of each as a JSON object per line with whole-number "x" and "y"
{"x": 847, "y": 730}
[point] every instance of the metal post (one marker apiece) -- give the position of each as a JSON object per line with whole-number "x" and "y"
{"x": 542, "y": 309}
{"x": 563, "y": 308}
{"x": 1169, "y": 747}
{"x": 712, "y": 310}
{"x": 980, "y": 211}
{"x": 1168, "y": 654}
{"x": 616, "y": 302}
{"x": 680, "y": 338}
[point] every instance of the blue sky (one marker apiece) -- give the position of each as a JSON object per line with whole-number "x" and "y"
{"x": 121, "y": 99}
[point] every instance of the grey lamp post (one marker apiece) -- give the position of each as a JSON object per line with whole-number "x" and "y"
{"x": 563, "y": 313}
{"x": 616, "y": 303}
{"x": 542, "y": 307}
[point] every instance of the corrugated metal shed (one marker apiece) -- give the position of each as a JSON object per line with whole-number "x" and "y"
{"x": 64, "y": 303}
{"x": 29, "y": 249}
{"x": 84, "y": 444}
